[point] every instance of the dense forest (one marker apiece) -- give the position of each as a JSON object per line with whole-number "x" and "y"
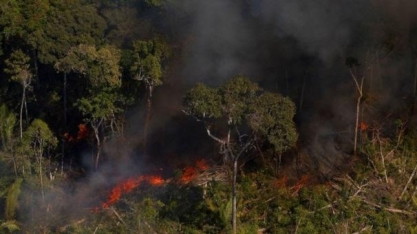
{"x": 193, "y": 116}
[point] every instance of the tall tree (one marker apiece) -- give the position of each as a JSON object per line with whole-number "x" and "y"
{"x": 7, "y": 125}
{"x": 147, "y": 67}
{"x": 18, "y": 67}
{"x": 101, "y": 68}
{"x": 248, "y": 112}
{"x": 68, "y": 23}
{"x": 37, "y": 139}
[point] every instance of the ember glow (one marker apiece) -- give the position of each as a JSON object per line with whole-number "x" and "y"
{"x": 363, "y": 126}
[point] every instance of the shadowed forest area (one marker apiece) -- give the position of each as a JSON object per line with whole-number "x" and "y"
{"x": 222, "y": 116}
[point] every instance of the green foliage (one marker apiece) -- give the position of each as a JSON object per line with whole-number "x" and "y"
{"x": 187, "y": 206}
{"x": 18, "y": 67}
{"x": 147, "y": 61}
{"x": 39, "y": 137}
{"x": 203, "y": 102}
{"x": 9, "y": 226}
{"x": 12, "y": 199}
{"x": 100, "y": 66}
{"x": 225, "y": 210}
{"x": 7, "y": 123}
{"x": 11, "y": 18}
{"x": 103, "y": 104}
{"x": 68, "y": 23}
{"x": 272, "y": 116}
{"x": 240, "y": 101}
{"x": 237, "y": 95}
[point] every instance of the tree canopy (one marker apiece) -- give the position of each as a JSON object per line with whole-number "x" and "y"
{"x": 241, "y": 102}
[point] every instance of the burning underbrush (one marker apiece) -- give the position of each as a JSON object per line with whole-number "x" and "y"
{"x": 198, "y": 174}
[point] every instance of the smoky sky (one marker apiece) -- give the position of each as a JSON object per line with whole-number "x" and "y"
{"x": 228, "y": 36}
{"x": 322, "y": 27}
{"x": 293, "y": 47}
{"x": 298, "y": 48}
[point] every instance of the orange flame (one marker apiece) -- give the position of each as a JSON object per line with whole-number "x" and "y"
{"x": 82, "y": 131}
{"x": 129, "y": 185}
{"x": 191, "y": 173}
{"x": 81, "y": 134}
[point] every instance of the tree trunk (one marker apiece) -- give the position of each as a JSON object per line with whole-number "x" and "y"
{"x": 26, "y": 113}
{"x": 64, "y": 91}
{"x": 21, "y": 111}
{"x": 14, "y": 163}
{"x": 235, "y": 159}
{"x": 98, "y": 145}
{"x": 234, "y": 203}
{"x": 147, "y": 120}
{"x": 40, "y": 170}
{"x": 359, "y": 88}
{"x": 35, "y": 64}
{"x": 355, "y": 142}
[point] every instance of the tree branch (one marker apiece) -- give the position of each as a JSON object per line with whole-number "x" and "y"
{"x": 408, "y": 182}
{"x": 214, "y": 137}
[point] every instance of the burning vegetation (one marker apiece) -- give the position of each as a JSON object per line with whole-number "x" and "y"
{"x": 305, "y": 112}
{"x": 128, "y": 185}
{"x": 188, "y": 175}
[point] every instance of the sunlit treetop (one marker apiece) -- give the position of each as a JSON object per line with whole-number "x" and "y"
{"x": 241, "y": 102}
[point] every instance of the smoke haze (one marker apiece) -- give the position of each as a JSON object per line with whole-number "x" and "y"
{"x": 298, "y": 48}
{"x": 294, "y": 47}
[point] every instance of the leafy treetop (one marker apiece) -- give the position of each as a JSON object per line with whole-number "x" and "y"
{"x": 243, "y": 103}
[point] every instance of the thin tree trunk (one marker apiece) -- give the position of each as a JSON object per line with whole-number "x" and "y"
{"x": 235, "y": 159}
{"x": 355, "y": 142}
{"x": 14, "y": 163}
{"x": 21, "y": 112}
{"x": 26, "y": 112}
{"x": 147, "y": 120}
{"x": 98, "y": 145}
{"x": 65, "y": 99}
{"x": 40, "y": 172}
{"x": 234, "y": 202}
{"x": 35, "y": 64}
{"x": 64, "y": 91}
{"x": 359, "y": 88}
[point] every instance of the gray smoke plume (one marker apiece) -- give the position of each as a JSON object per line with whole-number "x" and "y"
{"x": 299, "y": 48}
{"x": 219, "y": 36}
{"x": 322, "y": 27}
{"x": 228, "y": 36}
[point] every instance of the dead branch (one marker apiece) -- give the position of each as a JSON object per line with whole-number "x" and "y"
{"x": 366, "y": 228}
{"x": 382, "y": 157}
{"x": 408, "y": 182}
{"x": 64, "y": 228}
{"x": 214, "y": 137}
{"x": 117, "y": 215}
{"x": 389, "y": 209}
